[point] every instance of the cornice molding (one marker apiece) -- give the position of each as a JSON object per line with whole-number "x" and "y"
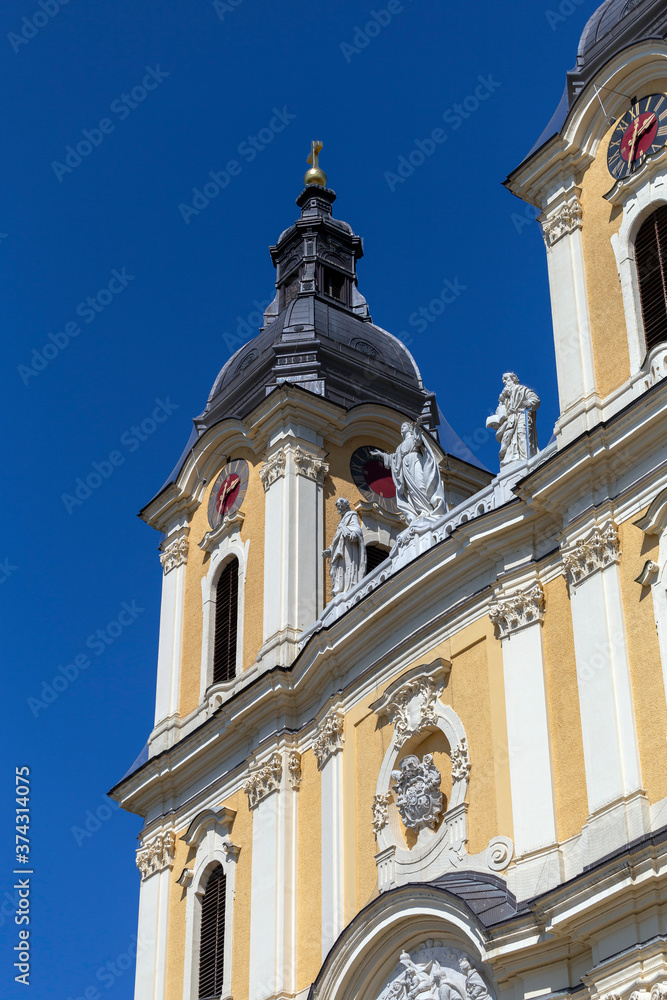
{"x": 231, "y": 524}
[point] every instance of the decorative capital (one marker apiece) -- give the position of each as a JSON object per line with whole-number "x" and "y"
{"x": 329, "y": 739}
{"x": 517, "y": 611}
{"x": 411, "y": 705}
{"x": 563, "y": 221}
{"x": 265, "y": 780}
{"x": 294, "y": 769}
{"x": 310, "y": 466}
{"x": 156, "y": 855}
{"x": 381, "y": 805}
{"x": 598, "y": 551}
{"x": 273, "y": 468}
{"x": 174, "y": 555}
{"x": 460, "y": 758}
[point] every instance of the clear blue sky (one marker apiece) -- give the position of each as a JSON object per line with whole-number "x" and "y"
{"x": 216, "y": 78}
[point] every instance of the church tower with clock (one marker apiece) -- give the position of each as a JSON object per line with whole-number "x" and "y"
{"x": 410, "y": 735}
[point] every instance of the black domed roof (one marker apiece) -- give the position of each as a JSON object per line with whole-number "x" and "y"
{"x": 614, "y": 25}
{"x": 318, "y": 332}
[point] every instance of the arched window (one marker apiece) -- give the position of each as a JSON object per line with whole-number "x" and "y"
{"x": 375, "y": 554}
{"x": 226, "y": 619}
{"x": 212, "y": 937}
{"x": 651, "y": 259}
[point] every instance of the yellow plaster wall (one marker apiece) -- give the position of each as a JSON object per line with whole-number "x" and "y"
{"x": 563, "y": 707}
{"x": 241, "y": 836}
{"x": 600, "y": 222}
{"x": 309, "y": 910}
{"x": 644, "y": 654}
{"x": 198, "y": 566}
{"x": 372, "y": 738}
{"x": 176, "y": 939}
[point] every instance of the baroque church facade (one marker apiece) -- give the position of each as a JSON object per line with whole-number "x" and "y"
{"x": 410, "y": 733}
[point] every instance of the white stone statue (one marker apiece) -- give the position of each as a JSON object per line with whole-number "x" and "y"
{"x": 416, "y": 475}
{"x": 435, "y": 972}
{"x": 475, "y": 987}
{"x": 515, "y": 421}
{"x": 347, "y": 552}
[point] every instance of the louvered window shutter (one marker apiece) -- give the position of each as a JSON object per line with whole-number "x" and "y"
{"x": 651, "y": 258}
{"x": 212, "y": 941}
{"x": 226, "y": 614}
{"x": 375, "y": 554}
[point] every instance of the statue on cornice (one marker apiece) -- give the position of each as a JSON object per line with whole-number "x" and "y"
{"x": 416, "y": 475}
{"x": 515, "y": 421}
{"x": 347, "y": 552}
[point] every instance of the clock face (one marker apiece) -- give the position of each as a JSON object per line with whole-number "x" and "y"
{"x": 373, "y": 481}
{"x": 641, "y": 132}
{"x": 228, "y": 492}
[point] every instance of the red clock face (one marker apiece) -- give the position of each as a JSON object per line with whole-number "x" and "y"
{"x": 228, "y": 492}
{"x": 373, "y": 481}
{"x": 641, "y": 132}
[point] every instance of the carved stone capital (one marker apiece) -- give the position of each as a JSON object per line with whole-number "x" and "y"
{"x": 460, "y": 758}
{"x": 563, "y": 221}
{"x": 594, "y": 553}
{"x": 329, "y": 739}
{"x": 411, "y": 705}
{"x": 175, "y": 554}
{"x": 310, "y": 466}
{"x": 273, "y": 468}
{"x": 381, "y": 805}
{"x": 509, "y": 614}
{"x": 263, "y": 781}
{"x": 294, "y": 769}
{"x": 156, "y": 855}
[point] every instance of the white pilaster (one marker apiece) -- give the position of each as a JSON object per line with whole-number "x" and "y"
{"x": 327, "y": 746}
{"x": 267, "y": 898}
{"x": 173, "y": 559}
{"x": 294, "y": 539}
{"x": 152, "y": 935}
{"x": 518, "y": 618}
{"x": 617, "y": 806}
{"x": 569, "y": 305}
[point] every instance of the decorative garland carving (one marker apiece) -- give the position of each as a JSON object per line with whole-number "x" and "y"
{"x": 310, "y": 466}
{"x": 598, "y": 551}
{"x": 381, "y": 805}
{"x": 294, "y": 769}
{"x": 273, "y": 468}
{"x": 517, "y": 611}
{"x": 264, "y": 781}
{"x": 563, "y": 221}
{"x": 329, "y": 739}
{"x": 460, "y": 758}
{"x": 174, "y": 555}
{"x": 156, "y": 855}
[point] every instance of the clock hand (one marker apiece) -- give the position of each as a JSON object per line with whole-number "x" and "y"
{"x": 648, "y": 124}
{"x": 634, "y": 142}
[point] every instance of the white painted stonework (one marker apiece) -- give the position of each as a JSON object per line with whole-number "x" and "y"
{"x": 264, "y": 780}
{"x": 174, "y": 559}
{"x": 156, "y": 854}
{"x": 227, "y": 546}
{"x": 418, "y": 795}
{"x": 435, "y": 972}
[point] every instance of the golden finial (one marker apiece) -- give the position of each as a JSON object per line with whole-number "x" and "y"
{"x": 315, "y": 175}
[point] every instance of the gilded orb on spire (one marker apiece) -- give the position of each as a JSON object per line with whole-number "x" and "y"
{"x": 315, "y": 175}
